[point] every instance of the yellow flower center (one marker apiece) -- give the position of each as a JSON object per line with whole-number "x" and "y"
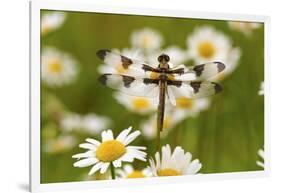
{"x": 110, "y": 151}
{"x": 146, "y": 42}
{"x": 141, "y": 103}
{"x": 206, "y": 49}
{"x": 136, "y": 174}
{"x": 168, "y": 172}
{"x": 120, "y": 69}
{"x": 55, "y": 66}
{"x": 184, "y": 103}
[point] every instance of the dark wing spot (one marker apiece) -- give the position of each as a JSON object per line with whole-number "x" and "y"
{"x": 217, "y": 87}
{"x": 220, "y": 66}
{"x": 126, "y": 62}
{"x": 196, "y": 86}
{"x": 149, "y": 68}
{"x": 102, "y": 53}
{"x": 174, "y": 83}
{"x": 103, "y": 78}
{"x": 199, "y": 69}
{"x": 127, "y": 80}
{"x": 147, "y": 81}
{"x": 179, "y": 71}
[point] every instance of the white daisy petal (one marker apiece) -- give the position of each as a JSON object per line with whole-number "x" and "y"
{"x": 95, "y": 168}
{"x": 137, "y": 147}
{"x": 178, "y": 158}
{"x": 131, "y": 137}
{"x": 85, "y": 162}
{"x": 88, "y": 146}
{"x": 117, "y": 163}
{"x": 157, "y": 158}
{"x": 93, "y": 141}
{"x": 187, "y": 159}
{"x": 107, "y": 135}
{"x": 261, "y": 154}
{"x": 135, "y": 151}
{"x": 173, "y": 163}
{"x": 153, "y": 167}
{"x": 137, "y": 154}
{"x": 194, "y": 167}
{"x": 123, "y": 135}
{"x": 127, "y": 158}
{"x": 110, "y": 135}
{"x": 83, "y": 155}
{"x": 166, "y": 154}
{"x": 104, "y": 167}
{"x": 259, "y": 163}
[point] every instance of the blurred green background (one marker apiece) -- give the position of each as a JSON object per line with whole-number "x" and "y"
{"x": 225, "y": 137}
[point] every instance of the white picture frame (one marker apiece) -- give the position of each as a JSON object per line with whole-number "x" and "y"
{"x": 36, "y": 6}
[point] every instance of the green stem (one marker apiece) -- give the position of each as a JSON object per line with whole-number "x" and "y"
{"x": 112, "y": 171}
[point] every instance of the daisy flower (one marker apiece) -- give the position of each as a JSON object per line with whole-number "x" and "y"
{"x": 129, "y": 172}
{"x": 245, "y": 27}
{"x": 51, "y": 21}
{"x": 174, "y": 164}
{"x": 90, "y": 123}
{"x": 110, "y": 152}
{"x": 71, "y": 122}
{"x": 261, "y": 91}
{"x": 190, "y": 107}
{"x": 59, "y": 144}
{"x": 141, "y": 105}
{"x": 261, "y": 154}
{"x": 58, "y": 68}
{"x": 146, "y": 39}
{"x": 207, "y": 44}
{"x": 114, "y": 65}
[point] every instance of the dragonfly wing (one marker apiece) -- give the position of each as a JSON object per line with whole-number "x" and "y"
{"x": 125, "y": 65}
{"x": 193, "y": 89}
{"x": 144, "y": 87}
{"x": 199, "y": 72}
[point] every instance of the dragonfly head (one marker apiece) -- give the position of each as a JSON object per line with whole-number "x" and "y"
{"x": 163, "y": 60}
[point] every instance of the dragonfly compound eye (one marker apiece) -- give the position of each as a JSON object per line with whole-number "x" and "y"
{"x": 163, "y": 58}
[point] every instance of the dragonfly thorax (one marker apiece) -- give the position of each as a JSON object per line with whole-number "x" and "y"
{"x": 163, "y": 60}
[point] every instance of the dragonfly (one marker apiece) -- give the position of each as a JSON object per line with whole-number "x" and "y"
{"x": 160, "y": 80}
